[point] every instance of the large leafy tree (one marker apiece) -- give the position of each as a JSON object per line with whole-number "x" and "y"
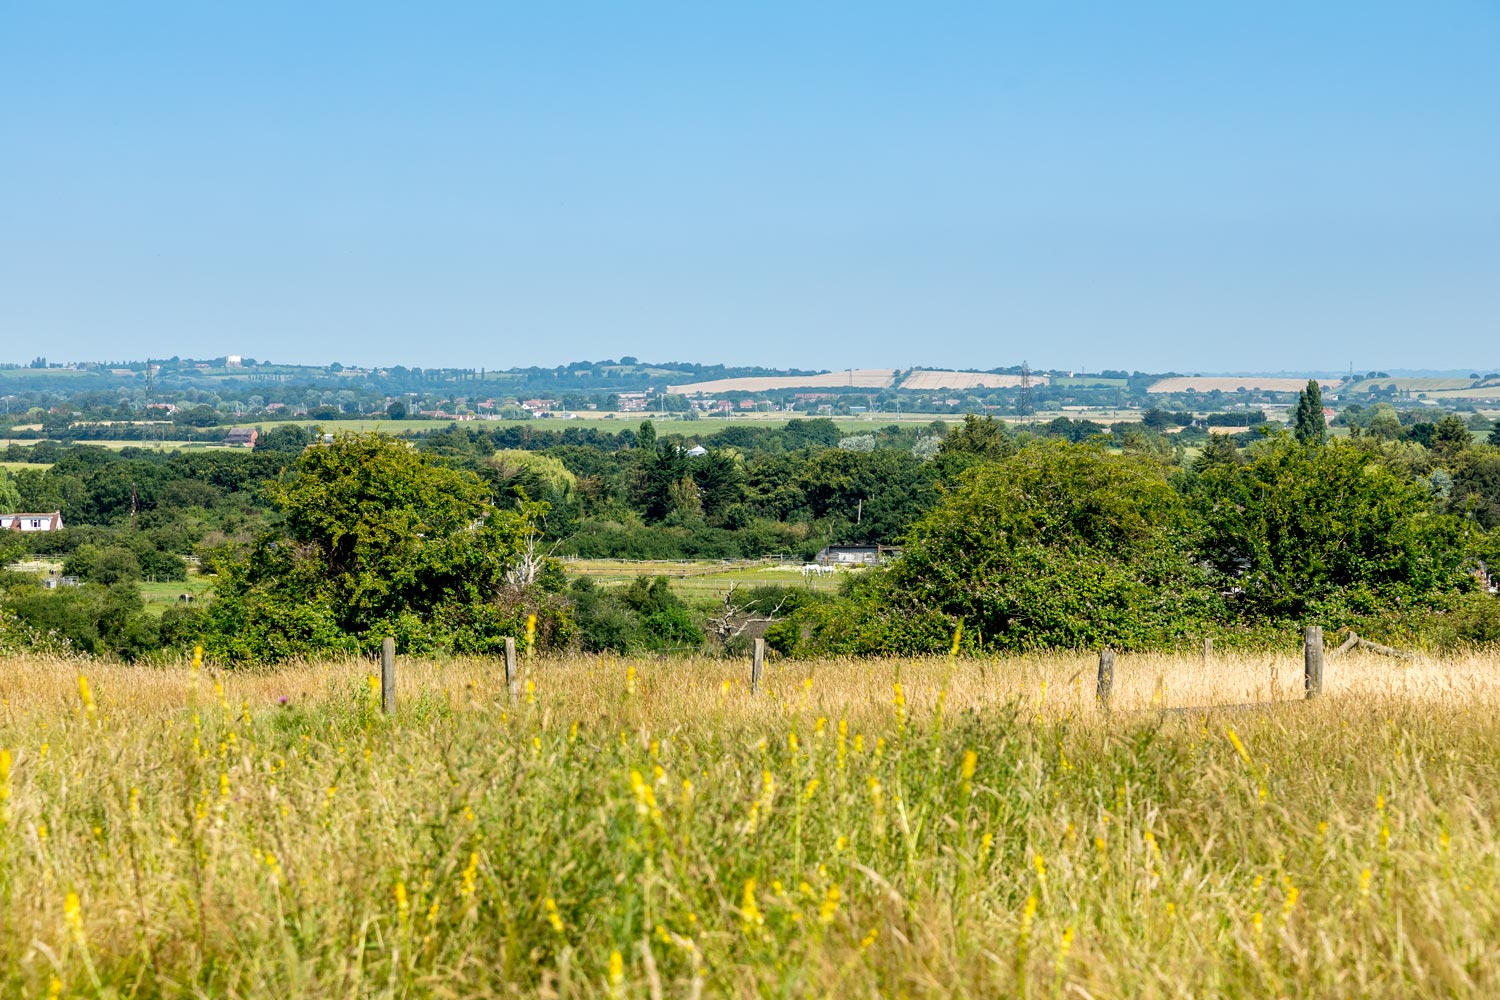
{"x": 1058, "y": 545}
{"x": 373, "y": 537}
{"x": 1331, "y": 530}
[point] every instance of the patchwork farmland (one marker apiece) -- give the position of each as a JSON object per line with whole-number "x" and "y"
{"x": 862, "y": 378}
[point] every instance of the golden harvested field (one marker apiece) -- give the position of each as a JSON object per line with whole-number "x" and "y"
{"x": 926, "y": 379}
{"x": 1482, "y": 392}
{"x": 867, "y": 378}
{"x": 1233, "y": 383}
{"x": 645, "y": 829}
{"x": 1412, "y": 384}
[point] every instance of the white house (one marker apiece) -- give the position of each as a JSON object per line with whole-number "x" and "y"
{"x": 31, "y": 522}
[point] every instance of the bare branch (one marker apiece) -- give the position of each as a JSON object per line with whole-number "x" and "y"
{"x": 734, "y": 620}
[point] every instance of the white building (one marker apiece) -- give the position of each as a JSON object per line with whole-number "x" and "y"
{"x": 31, "y": 522}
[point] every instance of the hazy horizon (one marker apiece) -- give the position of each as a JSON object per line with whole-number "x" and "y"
{"x": 1156, "y": 187}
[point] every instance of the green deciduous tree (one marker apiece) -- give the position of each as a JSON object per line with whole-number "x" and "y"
{"x": 373, "y": 538}
{"x": 1059, "y": 545}
{"x": 1333, "y": 530}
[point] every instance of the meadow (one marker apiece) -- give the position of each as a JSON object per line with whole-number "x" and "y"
{"x": 649, "y": 828}
{"x": 704, "y": 582}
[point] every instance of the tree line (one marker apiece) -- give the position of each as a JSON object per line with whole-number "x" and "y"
{"x": 1055, "y": 535}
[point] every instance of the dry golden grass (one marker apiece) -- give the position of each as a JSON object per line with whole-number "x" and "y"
{"x": 648, "y": 828}
{"x": 1062, "y": 683}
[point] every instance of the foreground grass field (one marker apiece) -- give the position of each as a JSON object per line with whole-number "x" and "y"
{"x": 929, "y": 828}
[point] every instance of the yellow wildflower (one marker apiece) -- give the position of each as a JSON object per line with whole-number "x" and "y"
{"x": 470, "y": 876}
{"x": 73, "y": 917}
{"x": 750, "y": 913}
{"x": 1239, "y": 747}
{"x": 403, "y": 906}
{"x": 616, "y": 972}
{"x": 553, "y": 917}
{"x": 829, "y": 908}
{"x": 4, "y": 787}
{"x": 87, "y": 697}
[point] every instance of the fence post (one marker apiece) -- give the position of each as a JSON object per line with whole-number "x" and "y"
{"x": 512, "y": 678}
{"x": 1312, "y": 660}
{"x": 1106, "y": 677}
{"x": 757, "y": 665}
{"x": 388, "y": 675}
{"x": 1208, "y": 648}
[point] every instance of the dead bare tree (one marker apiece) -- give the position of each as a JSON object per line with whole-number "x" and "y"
{"x": 529, "y": 561}
{"x": 533, "y": 555}
{"x": 735, "y": 619}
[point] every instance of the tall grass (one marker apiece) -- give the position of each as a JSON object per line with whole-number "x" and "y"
{"x": 650, "y": 829}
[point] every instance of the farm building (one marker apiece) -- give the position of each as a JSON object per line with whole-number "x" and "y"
{"x": 856, "y": 555}
{"x": 31, "y": 522}
{"x": 243, "y": 436}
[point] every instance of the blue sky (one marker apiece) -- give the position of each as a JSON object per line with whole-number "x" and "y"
{"x": 1199, "y": 187}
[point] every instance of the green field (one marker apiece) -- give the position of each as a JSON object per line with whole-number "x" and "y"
{"x": 665, "y": 423}
{"x": 213, "y": 445}
{"x": 356, "y": 424}
{"x": 161, "y": 596}
{"x": 702, "y": 582}
{"x": 1087, "y": 381}
{"x": 58, "y": 373}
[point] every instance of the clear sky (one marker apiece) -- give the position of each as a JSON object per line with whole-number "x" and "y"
{"x": 1192, "y": 186}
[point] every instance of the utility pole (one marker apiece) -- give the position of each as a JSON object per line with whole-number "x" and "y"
{"x": 1023, "y": 399}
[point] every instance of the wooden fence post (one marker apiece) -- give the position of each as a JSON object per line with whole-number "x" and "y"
{"x": 1106, "y": 677}
{"x": 757, "y": 665}
{"x": 512, "y": 677}
{"x": 1208, "y": 648}
{"x": 1312, "y": 660}
{"x": 388, "y": 675}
